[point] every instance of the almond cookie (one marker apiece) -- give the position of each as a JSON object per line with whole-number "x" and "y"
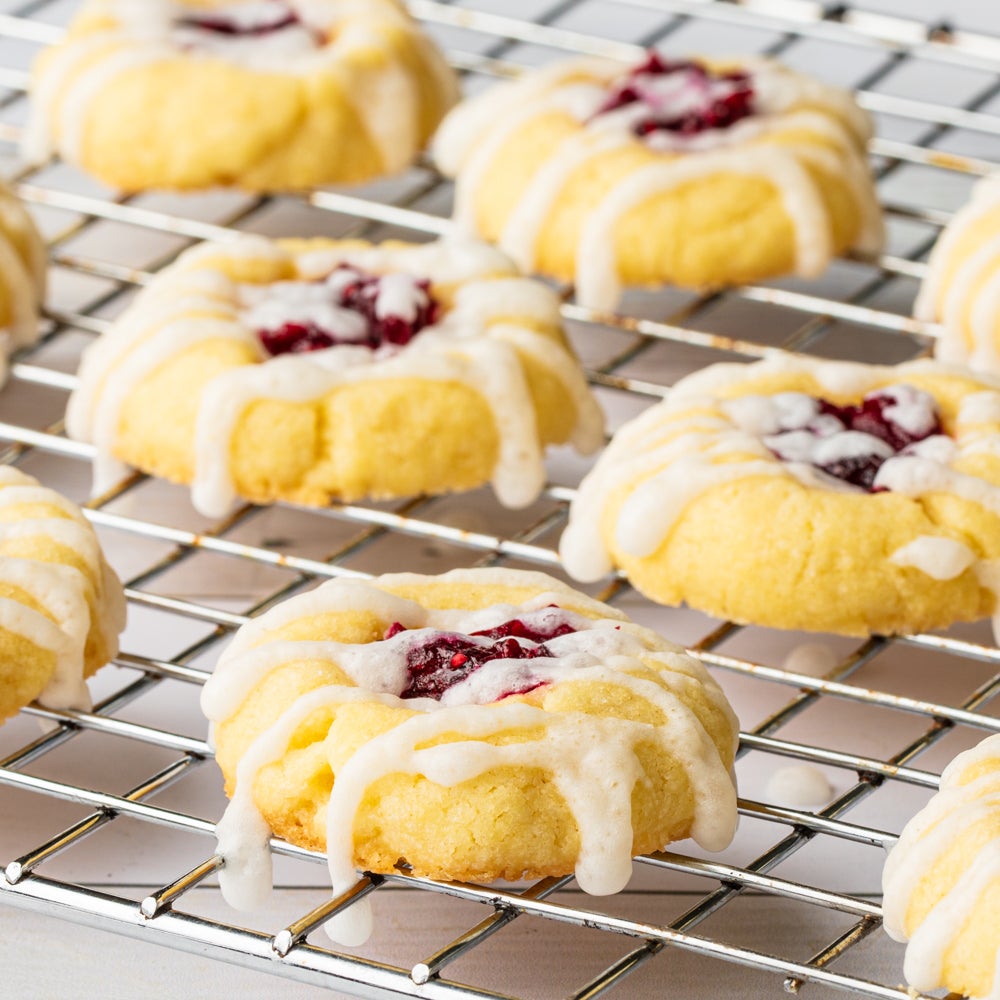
{"x": 962, "y": 287}
{"x": 942, "y": 880}
{"x": 693, "y": 173}
{"x": 22, "y": 277}
{"x": 479, "y": 725}
{"x": 805, "y": 494}
{"x": 314, "y": 370}
{"x": 266, "y": 95}
{"x": 61, "y": 605}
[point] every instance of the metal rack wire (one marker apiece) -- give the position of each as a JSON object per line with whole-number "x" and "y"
{"x": 860, "y": 309}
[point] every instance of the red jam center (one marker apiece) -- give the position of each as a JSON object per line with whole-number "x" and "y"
{"x": 361, "y": 309}
{"x": 682, "y": 97}
{"x": 263, "y": 18}
{"x": 897, "y": 418}
{"x": 449, "y": 657}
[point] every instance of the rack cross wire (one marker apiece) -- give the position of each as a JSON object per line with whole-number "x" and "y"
{"x": 103, "y": 247}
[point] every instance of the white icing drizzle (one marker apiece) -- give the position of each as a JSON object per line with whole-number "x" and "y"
{"x": 382, "y": 666}
{"x": 985, "y": 354}
{"x": 598, "y": 285}
{"x": 38, "y": 141}
{"x": 696, "y": 440}
{"x": 854, "y": 172}
{"x": 23, "y": 276}
{"x": 73, "y": 603}
{"x": 815, "y": 659}
{"x": 464, "y": 129}
{"x": 519, "y": 474}
{"x": 400, "y": 295}
{"x": 923, "y": 961}
{"x": 120, "y": 340}
{"x": 591, "y": 760}
{"x": 474, "y": 134}
{"x": 271, "y": 306}
{"x": 673, "y": 95}
{"x": 960, "y": 804}
{"x": 974, "y": 340}
{"x": 61, "y": 591}
{"x": 651, "y": 511}
{"x": 484, "y": 302}
{"x": 467, "y": 346}
{"x": 916, "y": 477}
{"x": 167, "y": 343}
{"x": 335, "y": 595}
{"x": 580, "y": 98}
{"x": 524, "y": 225}
{"x": 447, "y": 261}
{"x": 385, "y": 97}
{"x": 947, "y": 298}
{"x": 802, "y": 446}
{"x": 939, "y": 558}
{"x": 70, "y": 126}
{"x": 382, "y": 90}
{"x": 587, "y": 434}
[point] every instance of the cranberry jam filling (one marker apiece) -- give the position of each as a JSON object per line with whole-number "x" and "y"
{"x": 349, "y": 307}
{"x": 682, "y": 97}
{"x": 448, "y": 658}
{"x": 246, "y": 20}
{"x": 852, "y": 442}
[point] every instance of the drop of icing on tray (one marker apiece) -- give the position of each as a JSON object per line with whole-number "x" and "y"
{"x": 800, "y": 786}
{"x": 813, "y": 658}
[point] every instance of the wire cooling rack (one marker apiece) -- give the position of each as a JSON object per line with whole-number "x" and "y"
{"x": 107, "y": 817}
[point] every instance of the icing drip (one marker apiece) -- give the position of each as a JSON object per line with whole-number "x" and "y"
{"x": 523, "y": 228}
{"x": 598, "y": 284}
{"x": 676, "y": 108}
{"x": 939, "y": 558}
{"x": 336, "y": 290}
{"x": 590, "y": 759}
{"x": 800, "y": 786}
{"x": 968, "y": 797}
{"x": 814, "y": 659}
{"x": 69, "y": 603}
